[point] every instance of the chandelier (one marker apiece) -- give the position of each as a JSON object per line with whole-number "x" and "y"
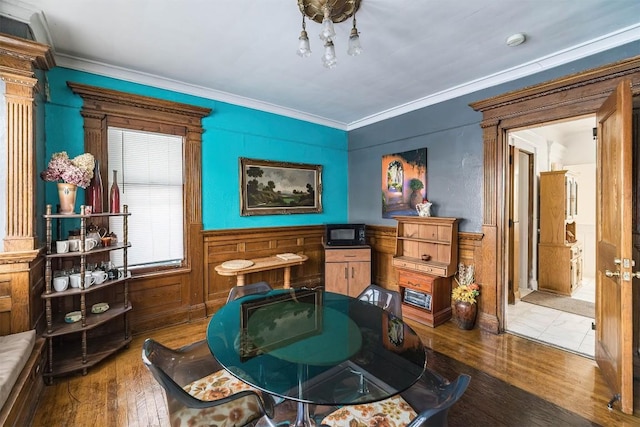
{"x": 327, "y": 13}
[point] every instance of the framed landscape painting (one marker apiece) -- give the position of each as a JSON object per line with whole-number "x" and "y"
{"x": 276, "y": 188}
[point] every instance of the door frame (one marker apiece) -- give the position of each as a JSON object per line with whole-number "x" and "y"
{"x": 515, "y": 151}
{"x": 564, "y": 98}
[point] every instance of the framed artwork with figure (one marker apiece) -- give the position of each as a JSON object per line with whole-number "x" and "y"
{"x": 404, "y": 182}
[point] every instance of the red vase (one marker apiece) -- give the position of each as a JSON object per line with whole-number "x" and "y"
{"x": 114, "y": 195}
{"x": 465, "y": 314}
{"x": 94, "y": 190}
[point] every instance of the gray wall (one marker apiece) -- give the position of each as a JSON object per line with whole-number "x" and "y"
{"x": 452, "y": 135}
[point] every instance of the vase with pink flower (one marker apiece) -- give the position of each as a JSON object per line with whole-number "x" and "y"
{"x": 69, "y": 174}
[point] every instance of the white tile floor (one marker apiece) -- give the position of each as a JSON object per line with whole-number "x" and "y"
{"x": 557, "y": 328}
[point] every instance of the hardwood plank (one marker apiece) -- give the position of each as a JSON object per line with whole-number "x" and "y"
{"x": 121, "y": 392}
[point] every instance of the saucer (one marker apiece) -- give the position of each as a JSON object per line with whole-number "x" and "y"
{"x": 72, "y": 317}
{"x": 100, "y": 307}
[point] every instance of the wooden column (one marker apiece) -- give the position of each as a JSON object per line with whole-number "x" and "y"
{"x": 18, "y": 60}
{"x": 20, "y": 267}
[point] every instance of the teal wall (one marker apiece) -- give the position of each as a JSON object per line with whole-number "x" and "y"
{"x": 231, "y": 132}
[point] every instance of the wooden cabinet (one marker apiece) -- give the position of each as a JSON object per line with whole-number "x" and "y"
{"x": 560, "y": 268}
{"x": 426, "y": 258}
{"x": 559, "y": 253}
{"x": 347, "y": 269}
{"x": 79, "y": 345}
{"x": 431, "y": 304}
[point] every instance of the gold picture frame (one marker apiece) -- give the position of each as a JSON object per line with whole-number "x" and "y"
{"x": 276, "y": 188}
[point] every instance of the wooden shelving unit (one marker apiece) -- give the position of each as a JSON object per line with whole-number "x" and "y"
{"x": 426, "y": 258}
{"x": 80, "y": 345}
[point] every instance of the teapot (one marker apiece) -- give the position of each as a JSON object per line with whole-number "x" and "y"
{"x": 96, "y": 233}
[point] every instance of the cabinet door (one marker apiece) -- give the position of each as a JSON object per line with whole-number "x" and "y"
{"x": 359, "y": 277}
{"x": 336, "y": 277}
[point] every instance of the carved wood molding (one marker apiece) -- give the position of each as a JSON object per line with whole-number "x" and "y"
{"x": 18, "y": 60}
{"x": 22, "y": 56}
{"x": 101, "y": 101}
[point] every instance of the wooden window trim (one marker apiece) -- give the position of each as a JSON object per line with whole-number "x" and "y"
{"x": 105, "y": 107}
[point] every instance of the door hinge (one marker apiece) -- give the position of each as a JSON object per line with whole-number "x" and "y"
{"x": 510, "y": 223}
{"x": 593, "y": 326}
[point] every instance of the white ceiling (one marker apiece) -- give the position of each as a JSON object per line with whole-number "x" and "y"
{"x": 416, "y": 52}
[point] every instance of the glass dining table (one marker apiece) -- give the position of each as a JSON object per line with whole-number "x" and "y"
{"x": 316, "y": 347}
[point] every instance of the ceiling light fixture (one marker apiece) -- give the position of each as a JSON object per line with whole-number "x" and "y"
{"x": 516, "y": 39}
{"x": 327, "y": 13}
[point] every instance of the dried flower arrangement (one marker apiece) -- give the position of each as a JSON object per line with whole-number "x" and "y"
{"x": 77, "y": 171}
{"x": 467, "y": 290}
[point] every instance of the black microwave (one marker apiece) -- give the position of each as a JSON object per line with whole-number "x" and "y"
{"x": 344, "y": 235}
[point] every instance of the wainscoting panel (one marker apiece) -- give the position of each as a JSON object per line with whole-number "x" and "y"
{"x": 225, "y": 245}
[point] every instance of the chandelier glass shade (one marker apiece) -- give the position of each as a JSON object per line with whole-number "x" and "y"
{"x": 327, "y": 13}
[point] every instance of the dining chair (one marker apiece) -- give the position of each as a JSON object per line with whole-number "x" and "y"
{"x": 425, "y": 404}
{"x": 252, "y": 288}
{"x": 199, "y": 391}
{"x": 384, "y": 298}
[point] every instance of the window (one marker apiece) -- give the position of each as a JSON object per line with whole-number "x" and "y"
{"x": 150, "y": 177}
{"x": 141, "y": 122}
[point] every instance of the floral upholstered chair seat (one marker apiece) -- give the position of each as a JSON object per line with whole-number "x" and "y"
{"x": 216, "y": 386}
{"x": 392, "y": 412}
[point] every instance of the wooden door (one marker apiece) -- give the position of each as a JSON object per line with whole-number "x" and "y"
{"x": 336, "y": 277}
{"x": 514, "y": 225}
{"x": 359, "y": 277}
{"x": 614, "y": 302}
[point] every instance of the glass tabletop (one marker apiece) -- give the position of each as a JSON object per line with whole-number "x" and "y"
{"x": 316, "y": 347}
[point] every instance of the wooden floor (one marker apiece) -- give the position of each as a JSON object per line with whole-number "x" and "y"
{"x": 120, "y": 391}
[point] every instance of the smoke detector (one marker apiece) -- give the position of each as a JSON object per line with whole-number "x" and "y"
{"x": 516, "y": 39}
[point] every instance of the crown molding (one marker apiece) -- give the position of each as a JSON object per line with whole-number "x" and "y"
{"x": 107, "y": 70}
{"x": 601, "y": 44}
{"x": 26, "y": 13}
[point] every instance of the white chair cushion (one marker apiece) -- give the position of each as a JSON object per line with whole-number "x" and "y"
{"x": 216, "y": 386}
{"x": 392, "y": 412}
{"x": 15, "y": 350}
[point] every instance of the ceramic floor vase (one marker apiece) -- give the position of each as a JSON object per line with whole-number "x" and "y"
{"x": 67, "y": 195}
{"x": 465, "y": 313}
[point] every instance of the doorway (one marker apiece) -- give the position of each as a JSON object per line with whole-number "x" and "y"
{"x": 551, "y": 288}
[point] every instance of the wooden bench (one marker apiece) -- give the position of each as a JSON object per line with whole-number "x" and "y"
{"x": 20, "y": 403}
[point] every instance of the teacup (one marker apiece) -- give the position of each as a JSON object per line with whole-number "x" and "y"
{"x": 62, "y": 246}
{"x": 99, "y": 276}
{"x": 60, "y": 283}
{"x": 74, "y": 280}
{"x": 90, "y": 244}
{"x": 74, "y": 245}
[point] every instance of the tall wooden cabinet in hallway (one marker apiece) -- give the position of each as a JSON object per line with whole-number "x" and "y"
{"x": 559, "y": 251}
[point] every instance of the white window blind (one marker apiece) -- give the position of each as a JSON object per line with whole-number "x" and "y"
{"x": 150, "y": 177}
